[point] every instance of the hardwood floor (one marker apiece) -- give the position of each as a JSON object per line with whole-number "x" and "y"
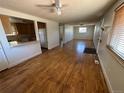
{"x": 61, "y": 70}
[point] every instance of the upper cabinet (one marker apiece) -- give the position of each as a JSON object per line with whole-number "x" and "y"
{"x": 6, "y": 24}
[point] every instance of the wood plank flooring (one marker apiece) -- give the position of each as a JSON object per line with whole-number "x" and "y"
{"x": 60, "y": 70}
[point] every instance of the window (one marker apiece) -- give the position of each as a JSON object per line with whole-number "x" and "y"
{"x": 82, "y": 30}
{"x": 117, "y": 38}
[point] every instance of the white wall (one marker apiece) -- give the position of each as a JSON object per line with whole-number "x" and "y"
{"x": 68, "y": 33}
{"x": 86, "y": 36}
{"x": 113, "y": 70}
{"x": 18, "y": 54}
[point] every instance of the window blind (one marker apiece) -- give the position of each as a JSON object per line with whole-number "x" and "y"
{"x": 117, "y": 39}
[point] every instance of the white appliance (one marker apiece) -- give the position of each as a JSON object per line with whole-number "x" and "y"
{"x": 3, "y": 59}
{"x": 43, "y": 38}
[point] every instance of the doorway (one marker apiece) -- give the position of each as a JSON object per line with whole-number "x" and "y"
{"x": 61, "y": 34}
{"x": 43, "y": 36}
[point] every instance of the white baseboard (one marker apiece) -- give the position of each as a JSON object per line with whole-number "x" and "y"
{"x": 106, "y": 77}
{"x": 53, "y": 46}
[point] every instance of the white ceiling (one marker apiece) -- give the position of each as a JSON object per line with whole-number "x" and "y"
{"x": 76, "y": 10}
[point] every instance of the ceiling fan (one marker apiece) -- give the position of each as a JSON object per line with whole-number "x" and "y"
{"x": 56, "y": 4}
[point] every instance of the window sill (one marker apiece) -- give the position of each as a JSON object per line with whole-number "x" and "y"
{"x": 21, "y": 44}
{"x": 116, "y": 56}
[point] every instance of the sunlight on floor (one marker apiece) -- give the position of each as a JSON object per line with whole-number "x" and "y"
{"x": 80, "y": 47}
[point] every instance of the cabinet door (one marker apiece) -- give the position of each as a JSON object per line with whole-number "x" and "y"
{"x": 3, "y": 60}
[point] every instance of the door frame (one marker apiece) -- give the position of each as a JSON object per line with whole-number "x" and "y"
{"x": 46, "y": 33}
{"x": 100, "y": 35}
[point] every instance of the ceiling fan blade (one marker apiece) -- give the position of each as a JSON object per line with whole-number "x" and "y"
{"x": 52, "y": 10}
{"x": 64, "y": 5}
{"x": 40, "y": 5}
{"x": 52, "y": 1}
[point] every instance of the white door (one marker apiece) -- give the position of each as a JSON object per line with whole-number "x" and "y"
{"x": 3, "y": 60}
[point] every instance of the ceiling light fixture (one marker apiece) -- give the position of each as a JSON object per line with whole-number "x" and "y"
{"x": 59, "y": 11}
{"x": 56, "y": 5}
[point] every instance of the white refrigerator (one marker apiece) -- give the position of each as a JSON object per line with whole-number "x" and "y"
{"x": 43, "y": 38}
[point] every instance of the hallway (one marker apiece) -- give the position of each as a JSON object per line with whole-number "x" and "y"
{"x": 60, "y": 70}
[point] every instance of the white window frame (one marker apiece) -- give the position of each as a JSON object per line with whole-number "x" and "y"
{"x": 112, "y": 41}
